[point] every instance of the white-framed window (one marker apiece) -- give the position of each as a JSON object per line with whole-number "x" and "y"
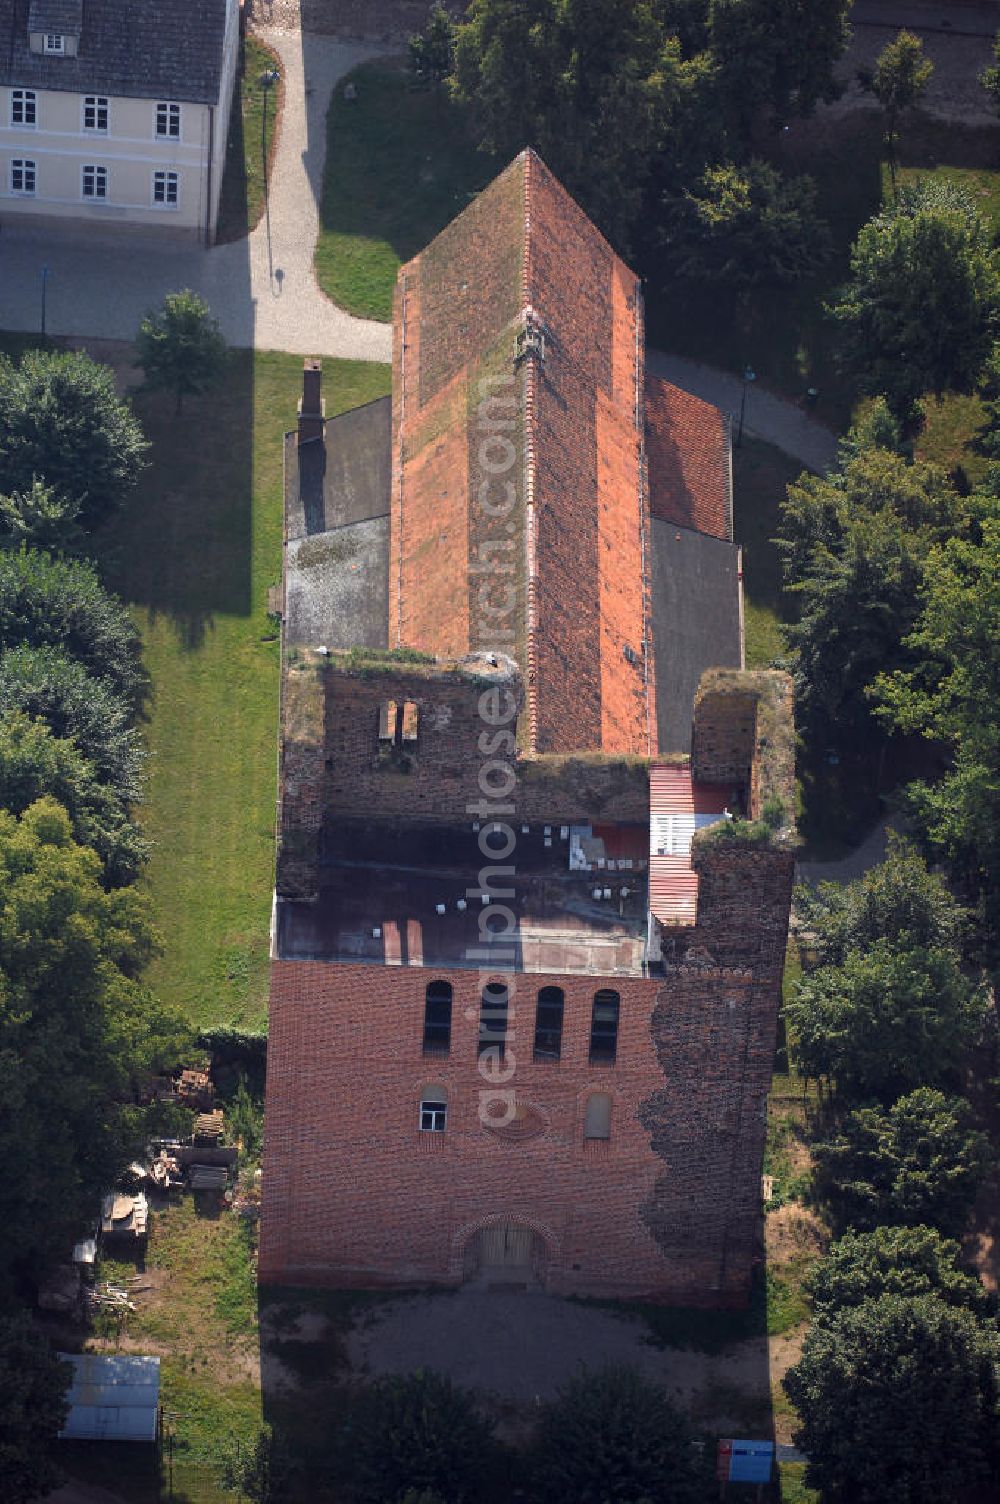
{"x": 54, "y": 42}
{"x": 22, "y": 176}
{"x": 95, "y": 181}
{"x": 168, "y": 121}
{"x": 23, "y": 107}
{"x": 166, "y": 189}
{"x": 433, "y": 1109}
{"x": 95, "y": 112}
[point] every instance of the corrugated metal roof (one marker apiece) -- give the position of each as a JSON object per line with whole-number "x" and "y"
{"x": 677, "y": 808}
{"x": 112, "y": 1398}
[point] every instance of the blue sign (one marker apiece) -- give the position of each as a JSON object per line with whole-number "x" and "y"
{"x": 751, "y": 1462}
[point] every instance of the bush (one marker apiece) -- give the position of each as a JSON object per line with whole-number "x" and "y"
{"x": 413, "y": 1432}
{"x": 893, "y": 1261}
{"x": 613, "y": 1435}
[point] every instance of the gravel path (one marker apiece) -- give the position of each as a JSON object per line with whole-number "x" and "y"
{"x": 767, "y": 417}
{"x": 261, "y": 289}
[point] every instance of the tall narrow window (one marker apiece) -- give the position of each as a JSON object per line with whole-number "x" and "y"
{"x": 604, "y": 1027}
{"x": 23, "y": 107}
{"x": 437, "y": 1019}
{"x": 548, "y": 1024}
{"x": 95, "y": 182}
{"x": 168, "y": 120}
{"x": 433, "y": 1109}
{"x": 597, "y": 1120}
{"x": 165, "y": 189}
{"x": 493, "y": 1019}
{"x": 398, "y": 723}
{"x": 95, "y": 112}
{"x": 22, "y": 176}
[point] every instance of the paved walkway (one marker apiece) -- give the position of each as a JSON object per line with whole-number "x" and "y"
{"x": 261, "y": 289}
{"x": 767, "y": 417}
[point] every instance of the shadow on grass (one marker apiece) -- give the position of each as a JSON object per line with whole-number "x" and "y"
{"x": 400, "y": 165}
{"x": 253, "y": 132}
{"x": 182, "y": 548}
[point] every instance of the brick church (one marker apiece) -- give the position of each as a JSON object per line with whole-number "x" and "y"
{"x": 534, "y": 829}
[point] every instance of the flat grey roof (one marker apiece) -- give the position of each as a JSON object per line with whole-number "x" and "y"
{"x": 696, "y": 622}
{"x": 337, "y": 531}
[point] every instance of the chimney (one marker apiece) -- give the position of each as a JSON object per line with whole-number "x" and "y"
{"x": 312, "y": 408}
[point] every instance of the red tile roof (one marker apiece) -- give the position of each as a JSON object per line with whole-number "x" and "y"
{"x": 519, "y": 512}
{"x": 688, "y": 454}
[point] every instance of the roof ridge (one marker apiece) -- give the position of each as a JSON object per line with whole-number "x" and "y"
{"x": 530, "y": 158}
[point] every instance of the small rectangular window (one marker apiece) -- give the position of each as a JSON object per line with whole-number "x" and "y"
{"x": 165, "y": 189}
{"x": 95, "y": 112}
{"x": 597, "y": 1121}
{"x": 437, "y": 1018}
{"x": 95, "y": 182}
{"x": 22, "y": 176}
{"x": 54, "y": 42}
{"x": 168, "y": 121}
{"x": 23, "y": 107}
{"x": 604, "y": 1027}
{"x": 433, "y": 1115}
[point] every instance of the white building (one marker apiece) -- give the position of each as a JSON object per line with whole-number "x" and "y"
{"x": 116, "y": 111}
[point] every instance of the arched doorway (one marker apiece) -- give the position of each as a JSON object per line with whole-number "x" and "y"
{"x": 506, "y": 1254}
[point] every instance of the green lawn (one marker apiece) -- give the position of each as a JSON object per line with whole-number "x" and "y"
{"x": 400, "y": 165}
{"x": 249, "y": 145}
{"x": 195, "y": 555}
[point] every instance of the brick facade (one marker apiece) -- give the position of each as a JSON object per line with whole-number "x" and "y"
{"x": 356, "y": 1194}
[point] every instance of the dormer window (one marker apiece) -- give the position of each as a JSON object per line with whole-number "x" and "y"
{"x": 54, "y": 42}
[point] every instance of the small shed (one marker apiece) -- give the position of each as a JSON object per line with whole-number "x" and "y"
{"x": 112, "y": 1398}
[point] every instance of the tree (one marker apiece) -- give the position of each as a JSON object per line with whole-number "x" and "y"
{"x": 33, "y": 1409}
{"x": 61, "y": 603}
{"x": 898, "y": 1399}
{"x": 180, "y": 347}
{"x": 41, "y": 517}
{"x": 886, "y": 1020}
{"x": 34, "y": 763}
{"x": 744, "y": 225}
{"x": 922, "y": 308}
{"x": 62, "y": 423}
{"x": 919, "y": 1162}
{"x": 775, "y": 58}
{"x": 901, "y": 76}
{"x": 416, "y": 1431}
{"x": 432, "y": 51}
{"x": 899, "y": 901}
{"x": 908, "y": 1261}
{"x": 853, "y": 546}
{"x": 990, "y": 77}
{"x": 950, "y": 696}
{"x": 614, "y": 1435}
{"x": 265, "y": 1472}
{"x": 79, "y": 1035}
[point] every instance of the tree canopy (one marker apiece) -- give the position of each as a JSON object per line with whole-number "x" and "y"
{"x": 922, "y": 307}
{"x": 613, "y": 1434}
{"x": 62, "y": 423}
{"x": 79, "y": 1035}
{"x": 898, "y": 1399}
{"x": 61, "y": 603}
{"x": 918, "y": 1162}
{"x": 180, "y": 347}
{"x": 949, "y": 695}
{"x": 901, "y": 76}
{"x": 906, "y": 1261}
{"x": 33, "y": 1408}
{"x": 34, "y": 763}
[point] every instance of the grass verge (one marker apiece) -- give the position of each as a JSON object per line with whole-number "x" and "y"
{"x": 194, "y": 555}
{"x": 251, "y": 144}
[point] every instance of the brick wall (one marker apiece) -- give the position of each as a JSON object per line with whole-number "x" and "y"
{"x": 354, "y": 1193}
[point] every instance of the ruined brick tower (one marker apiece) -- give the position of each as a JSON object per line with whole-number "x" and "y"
{"x": 535, "y": 844}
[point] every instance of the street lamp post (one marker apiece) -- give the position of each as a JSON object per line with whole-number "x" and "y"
{"x": 749, "y": 376}
{"x": 267, "y": 79}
